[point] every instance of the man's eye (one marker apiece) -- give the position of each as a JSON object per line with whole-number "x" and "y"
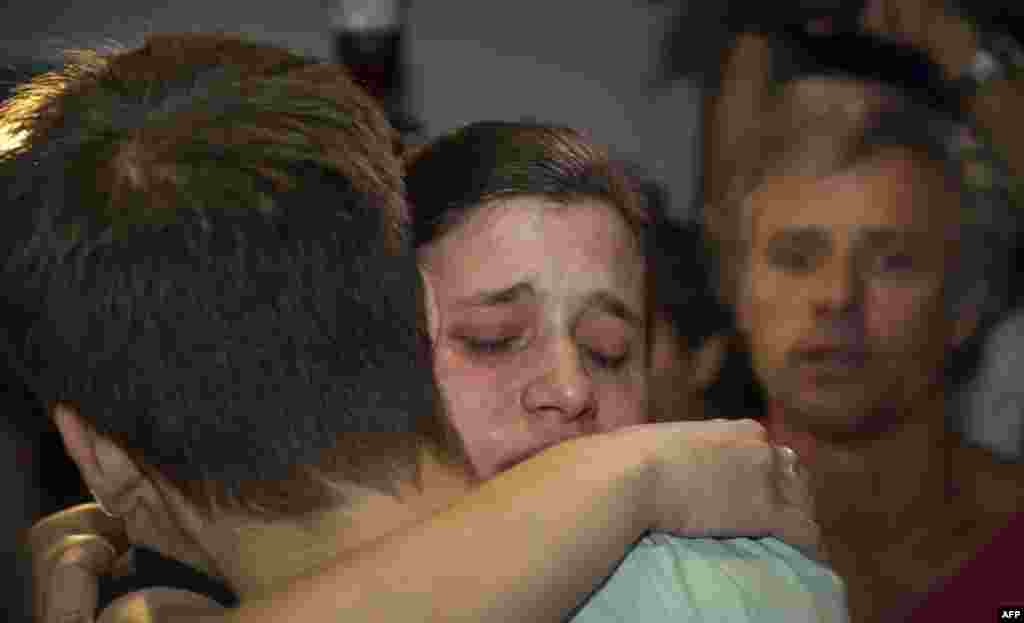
{"x": 488, "y": 346}
{"x": 894, "y": 263}
{"x": 790, "y": 259}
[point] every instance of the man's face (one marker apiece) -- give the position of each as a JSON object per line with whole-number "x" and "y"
{"x": 842, "y": 298}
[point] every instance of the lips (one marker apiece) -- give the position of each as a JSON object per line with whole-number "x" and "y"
{"x": 838, "y": 358}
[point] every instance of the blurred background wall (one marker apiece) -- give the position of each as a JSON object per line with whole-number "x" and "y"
{"x": 584, "y": 63}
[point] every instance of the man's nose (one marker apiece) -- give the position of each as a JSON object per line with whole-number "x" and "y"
{"x": 837, "y": 287}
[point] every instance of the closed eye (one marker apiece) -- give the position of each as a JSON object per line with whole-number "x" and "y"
{"x": 488, "y": 346}
{"x": 610, "y": 362}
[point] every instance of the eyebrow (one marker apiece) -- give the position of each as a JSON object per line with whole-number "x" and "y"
{"x": 806, "y": 238}
{"x": 818, "y": 238}
{"x": 493, "y": 298}
{"x": 612, "y": 304}
{"x": 882, "y": 237}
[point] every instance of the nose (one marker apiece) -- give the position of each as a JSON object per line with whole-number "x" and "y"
{"x": 563, "y": 390}
{"x": 838, "y": 287}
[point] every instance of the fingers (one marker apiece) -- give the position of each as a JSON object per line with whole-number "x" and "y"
{"x": 797, "y": 526}
{"x": 70, "y": 580}
{"x": 799, "y": 530}
{"x": 83, "y": 519}
{"x": 73, "y": 596}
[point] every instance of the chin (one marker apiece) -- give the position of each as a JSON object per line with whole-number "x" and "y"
{"x": 848, "y": 415}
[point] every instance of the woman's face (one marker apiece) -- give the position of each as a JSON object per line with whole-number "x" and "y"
{"x": 539, "y": 327}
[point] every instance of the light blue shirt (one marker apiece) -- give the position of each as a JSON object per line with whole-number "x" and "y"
{"x": 743, "y": 580}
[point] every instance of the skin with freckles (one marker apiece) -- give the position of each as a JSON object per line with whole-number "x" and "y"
{"x": 540, "y": 333}
{"x": 844, "y": 305}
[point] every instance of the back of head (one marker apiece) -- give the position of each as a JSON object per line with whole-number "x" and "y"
{"x": 205, "y": 242}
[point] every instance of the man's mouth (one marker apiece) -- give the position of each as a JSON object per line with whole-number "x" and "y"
{"x": 833, "y": 358}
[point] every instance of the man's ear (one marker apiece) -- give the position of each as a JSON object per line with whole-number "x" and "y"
{"x": 708, "y": 359}
{"x": 154, "y": 513}
{"x": 106, "y": 468}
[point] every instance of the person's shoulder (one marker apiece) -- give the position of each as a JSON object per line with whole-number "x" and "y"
{"x": 997, "y": 482}
{"x": 159, "y": 605}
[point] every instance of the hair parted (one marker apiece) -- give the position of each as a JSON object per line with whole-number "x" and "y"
{"x": 460, "y": 172}
{"x": 205, "y": 240}
{"x": 463, "y": 170}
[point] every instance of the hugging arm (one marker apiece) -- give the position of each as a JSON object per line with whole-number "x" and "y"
{"x": 532, "y": 543}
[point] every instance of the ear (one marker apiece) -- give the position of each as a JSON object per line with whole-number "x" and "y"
{"x": 107, "y": 469}
{"x": 154, "y": 513}
{"x": 707, "y": 360}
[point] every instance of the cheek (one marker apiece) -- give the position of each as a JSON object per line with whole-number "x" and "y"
{"x": 482, "y": 407}
{"x": 898, "y": 316}
{"x": 473, "y": 395}
{"x": 768, "y": 310}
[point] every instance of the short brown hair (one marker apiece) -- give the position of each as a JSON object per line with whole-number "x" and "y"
{"x": 207, "y": 241}
{"x": 466, "y": 168}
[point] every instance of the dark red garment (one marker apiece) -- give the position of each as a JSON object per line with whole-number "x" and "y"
{"x": 994, "y": 578}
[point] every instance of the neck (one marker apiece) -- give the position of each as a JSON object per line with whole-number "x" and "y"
{"x": 859, "y": 483}
{"x": 263, "y": 555}
{"x": 901, "y": 511}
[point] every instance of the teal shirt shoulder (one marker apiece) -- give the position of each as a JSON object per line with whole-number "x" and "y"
{"x": 665, "y": 578}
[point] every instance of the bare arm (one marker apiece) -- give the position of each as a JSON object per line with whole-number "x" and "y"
{"x": 532, "y": 543}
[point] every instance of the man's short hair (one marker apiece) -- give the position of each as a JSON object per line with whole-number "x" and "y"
{"x": 820, "y": 126}
{"x": 205, "y": 241}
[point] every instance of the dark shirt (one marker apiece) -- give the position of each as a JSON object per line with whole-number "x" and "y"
{"x": 993, "y": 578}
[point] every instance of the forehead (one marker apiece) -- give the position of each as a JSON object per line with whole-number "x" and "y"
{"x": 891, "y": 192}
{"x": 562, "y": 247}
